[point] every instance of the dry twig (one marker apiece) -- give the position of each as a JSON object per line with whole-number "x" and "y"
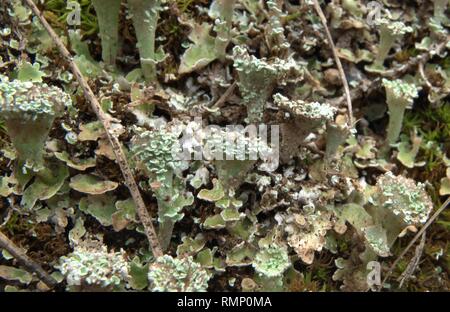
{"x": 338, "y": 62}
{"x": 28, "y": 263}
{"x": 414, "y": 261}
{"x": 224, "y": 96}
{"x": 105, "y": 119}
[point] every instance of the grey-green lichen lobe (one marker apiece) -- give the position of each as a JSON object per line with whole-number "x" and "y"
{"x": 31, "y": 100}
{"x": 168, "y": 274}
{"x": 251, "y": 65}
{"x": 311, "y": 111}
{"x": 272, "y": 261}
{"x": 405, "y": 198}
{"x": 87, "y": 266}
{"x": 244, "y": 62}
{"x": 156, "y": 150}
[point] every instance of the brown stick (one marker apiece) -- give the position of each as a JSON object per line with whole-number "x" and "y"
{"x": 105, "y": 119}
{"x": 412, "y": 265}
{"x": 418, "y": 235}
{"x": 348, "y": 97}
{"x": 23, "y": 259}
{"x": 224, "y": 96}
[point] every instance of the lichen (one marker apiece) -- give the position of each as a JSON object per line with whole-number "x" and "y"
{"x": 145, "y": 16}
{"x": 170, "y": 274}
{"x": 234, "y": 154}
{"x": 222, "y": 12}
{"x": 399, "y": 96}
{"x": 272, "y": 261}
{"x": 390, "y": 32}
{"x": 313, "y": 111}
{"x": 303, "y": 118}
{"x": 156, "y": 151}
{"x": 108, "y": 21}
{"x": 94, "y": 268}
{"x": 156, "y": 154}
{"x": 306, "y": 232}
{"x": 258, "y": 77}
{"x": 406, "y": 199}
{"x": 29, "y": 110}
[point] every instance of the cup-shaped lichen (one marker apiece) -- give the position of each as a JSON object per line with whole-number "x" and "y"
{"x": 156, "y": 154}
{"x": 398, "y": 203}
{"x": 304, "y": 118}
{"x": 169, "y": 274}
{"x": 390, "y": 32}
{"x": 399, "y": 96}
{"x": 258, "y": 77}
{"x": 145, "y": 15}
{"x": 29, "y": 110}
{"x": 94, "y": 269}
{"x": 108, "y": 12}
{"x": 406, "y": 199}
{"x": 234, "y": 152}
{"x": 270, "y": 263}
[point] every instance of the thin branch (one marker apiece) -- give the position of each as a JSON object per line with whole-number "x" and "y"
{"x": 412, "y": 266}
{"x": 337, "y": 60}
{"x": 224, "y": 96}
{"x": 418, "y": 235}
{"x": 105, "y": 119}
{"x": 424, "y": 76}
{"x": 28, "y": 263}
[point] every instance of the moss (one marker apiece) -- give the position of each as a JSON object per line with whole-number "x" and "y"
{"x": 89, "y": 22}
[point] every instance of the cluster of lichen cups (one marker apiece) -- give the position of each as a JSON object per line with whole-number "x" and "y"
{"x": 94, "y": 268}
